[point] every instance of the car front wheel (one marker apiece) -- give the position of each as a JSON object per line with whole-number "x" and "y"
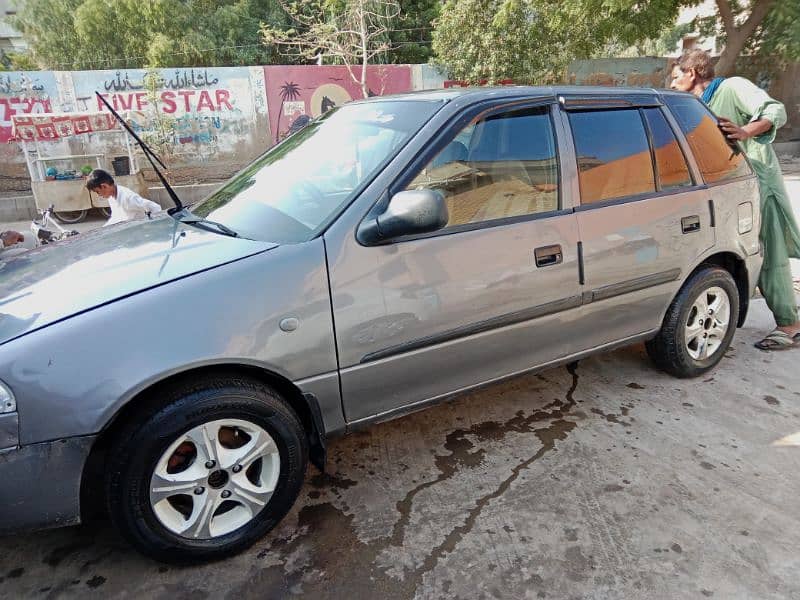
{"x": 699, "y": 324}
{"x": 209, "y": 473}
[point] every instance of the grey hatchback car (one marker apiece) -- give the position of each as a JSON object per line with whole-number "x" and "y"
{"x": 181, "y": 372}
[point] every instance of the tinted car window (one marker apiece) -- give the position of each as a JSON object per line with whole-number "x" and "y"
{"x": 716, "y": 159}
{"x": 613, "y": 154}
{"x": 503, "y": 166}
{"x": 671, "y": 169}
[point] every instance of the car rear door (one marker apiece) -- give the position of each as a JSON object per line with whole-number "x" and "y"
{"x": 644, "y": 219}
{"x": 485, "y": 297}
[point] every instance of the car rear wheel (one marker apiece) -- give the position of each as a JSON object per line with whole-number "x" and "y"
{"x": 209, "y": 473}
{"x": 699, "y": 325}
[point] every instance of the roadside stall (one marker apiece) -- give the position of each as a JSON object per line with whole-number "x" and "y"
{"x": 58, "y": 178}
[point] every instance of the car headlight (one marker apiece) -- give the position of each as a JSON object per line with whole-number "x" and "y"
{"x": 7, "y": 402}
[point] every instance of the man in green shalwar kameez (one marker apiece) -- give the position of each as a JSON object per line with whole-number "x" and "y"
{"x": 748, "y": 115}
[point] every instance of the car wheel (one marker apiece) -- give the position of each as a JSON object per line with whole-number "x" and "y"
{"x": 699, "y": 325}
{"x": 70, "y": 216}
{"x": 105, "y": 211}
{"x": 207, "y": 474}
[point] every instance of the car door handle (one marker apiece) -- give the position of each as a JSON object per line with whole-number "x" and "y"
{"x": 548, "y": 255}
{"x": 690, "y": 224}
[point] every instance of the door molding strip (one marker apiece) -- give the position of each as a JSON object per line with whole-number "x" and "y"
{"x": 475, "y": 328}
{"x": 528, "y": 314}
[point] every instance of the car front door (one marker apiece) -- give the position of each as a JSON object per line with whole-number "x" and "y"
{"x": 642, "y": 218}
{"x": 486, "y": 296}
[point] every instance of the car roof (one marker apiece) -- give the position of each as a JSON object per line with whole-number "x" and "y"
{"x": 511, "y": 91}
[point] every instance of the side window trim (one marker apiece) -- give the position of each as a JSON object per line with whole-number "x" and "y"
{"x": 639, "y": 197}
{"x": 676, "y": 134}
{"x": 652, "y": 145}
{"x": 570, "y": 194}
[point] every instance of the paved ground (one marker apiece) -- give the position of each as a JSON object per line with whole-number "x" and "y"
{"x": 603, "y": 480}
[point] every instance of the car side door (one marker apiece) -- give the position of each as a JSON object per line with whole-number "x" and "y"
{"x": 423, "y": 316}
{"x": 644, "y": 218}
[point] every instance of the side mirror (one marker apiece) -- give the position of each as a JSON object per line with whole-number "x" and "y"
{"x": 409, "y": 212}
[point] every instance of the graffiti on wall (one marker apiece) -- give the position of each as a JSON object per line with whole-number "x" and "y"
{"x": 204, "y": 111}
{"x": 297, "y": 94}
{"x": 24, "y": 93}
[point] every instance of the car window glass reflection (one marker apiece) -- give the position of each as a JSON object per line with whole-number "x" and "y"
{"x": 613, "y": 154}
{"x": 501, "y": 167}
{"x": 716, "y": 159}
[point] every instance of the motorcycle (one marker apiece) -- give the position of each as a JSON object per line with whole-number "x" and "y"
{"x": 43, "y": 232}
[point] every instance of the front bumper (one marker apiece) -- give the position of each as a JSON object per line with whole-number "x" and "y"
{"x": 40, "y": 484}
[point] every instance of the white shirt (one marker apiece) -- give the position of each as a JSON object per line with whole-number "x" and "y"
{"x": 127, "y": 205}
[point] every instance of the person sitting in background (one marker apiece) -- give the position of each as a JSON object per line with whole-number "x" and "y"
{"x": 125, "y": 204}
{"x": 9, "y": 238}
{"x": 11, "y": 244}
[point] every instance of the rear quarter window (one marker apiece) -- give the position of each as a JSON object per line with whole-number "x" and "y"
{"x": 716, "y": 159}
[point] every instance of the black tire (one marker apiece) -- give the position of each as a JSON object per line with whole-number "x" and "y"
{"x": 140, "y": 444}
{"x": 668, "y": 349}
{"x": 70, "y": 216}
{"x": 105, "y": 211}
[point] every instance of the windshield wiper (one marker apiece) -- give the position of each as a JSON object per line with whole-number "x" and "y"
{"x": 191, "y": 219}
{"x": 151, "y": 156}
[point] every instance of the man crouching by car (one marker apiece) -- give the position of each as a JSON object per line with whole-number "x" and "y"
{"x": 125, "y": 204}
{"x": 10, "y": 243}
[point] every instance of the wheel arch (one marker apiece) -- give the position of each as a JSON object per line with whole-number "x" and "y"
{"x": 305, "y": 405}
{"x": 736, "y": 266}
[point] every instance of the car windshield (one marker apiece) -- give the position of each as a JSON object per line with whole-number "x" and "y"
{"x": 293, "y": 191}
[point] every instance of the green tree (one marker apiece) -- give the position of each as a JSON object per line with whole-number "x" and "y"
{"x": 411, "y": 38}
{"x": 534, "y": 40}
{"x": 17, "y": 61}
{"x": 85, "y": 34}
{"x": 763, "y": 28}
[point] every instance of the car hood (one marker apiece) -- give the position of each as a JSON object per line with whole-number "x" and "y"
{"x": 53, "y": 282}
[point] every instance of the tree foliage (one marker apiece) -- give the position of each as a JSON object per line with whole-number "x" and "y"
{"x": 94, "y": 34}
{"x": 766, "y": 29}
{"x": 533, "y": 40}
{"x": 411, "y": 36}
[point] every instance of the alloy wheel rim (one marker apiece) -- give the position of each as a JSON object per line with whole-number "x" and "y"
{"x": 214, "y": 478}
{"x": 707, "y": 323}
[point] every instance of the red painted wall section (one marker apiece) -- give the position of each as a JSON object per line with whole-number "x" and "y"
{"x": 297, "y": 93}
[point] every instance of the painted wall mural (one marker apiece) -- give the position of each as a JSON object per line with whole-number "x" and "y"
{"x": 207, "y": 111}
{"x": 218, "y": 119}
{"x": 297, "y": 94}
{"x": 24, "y": 93}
